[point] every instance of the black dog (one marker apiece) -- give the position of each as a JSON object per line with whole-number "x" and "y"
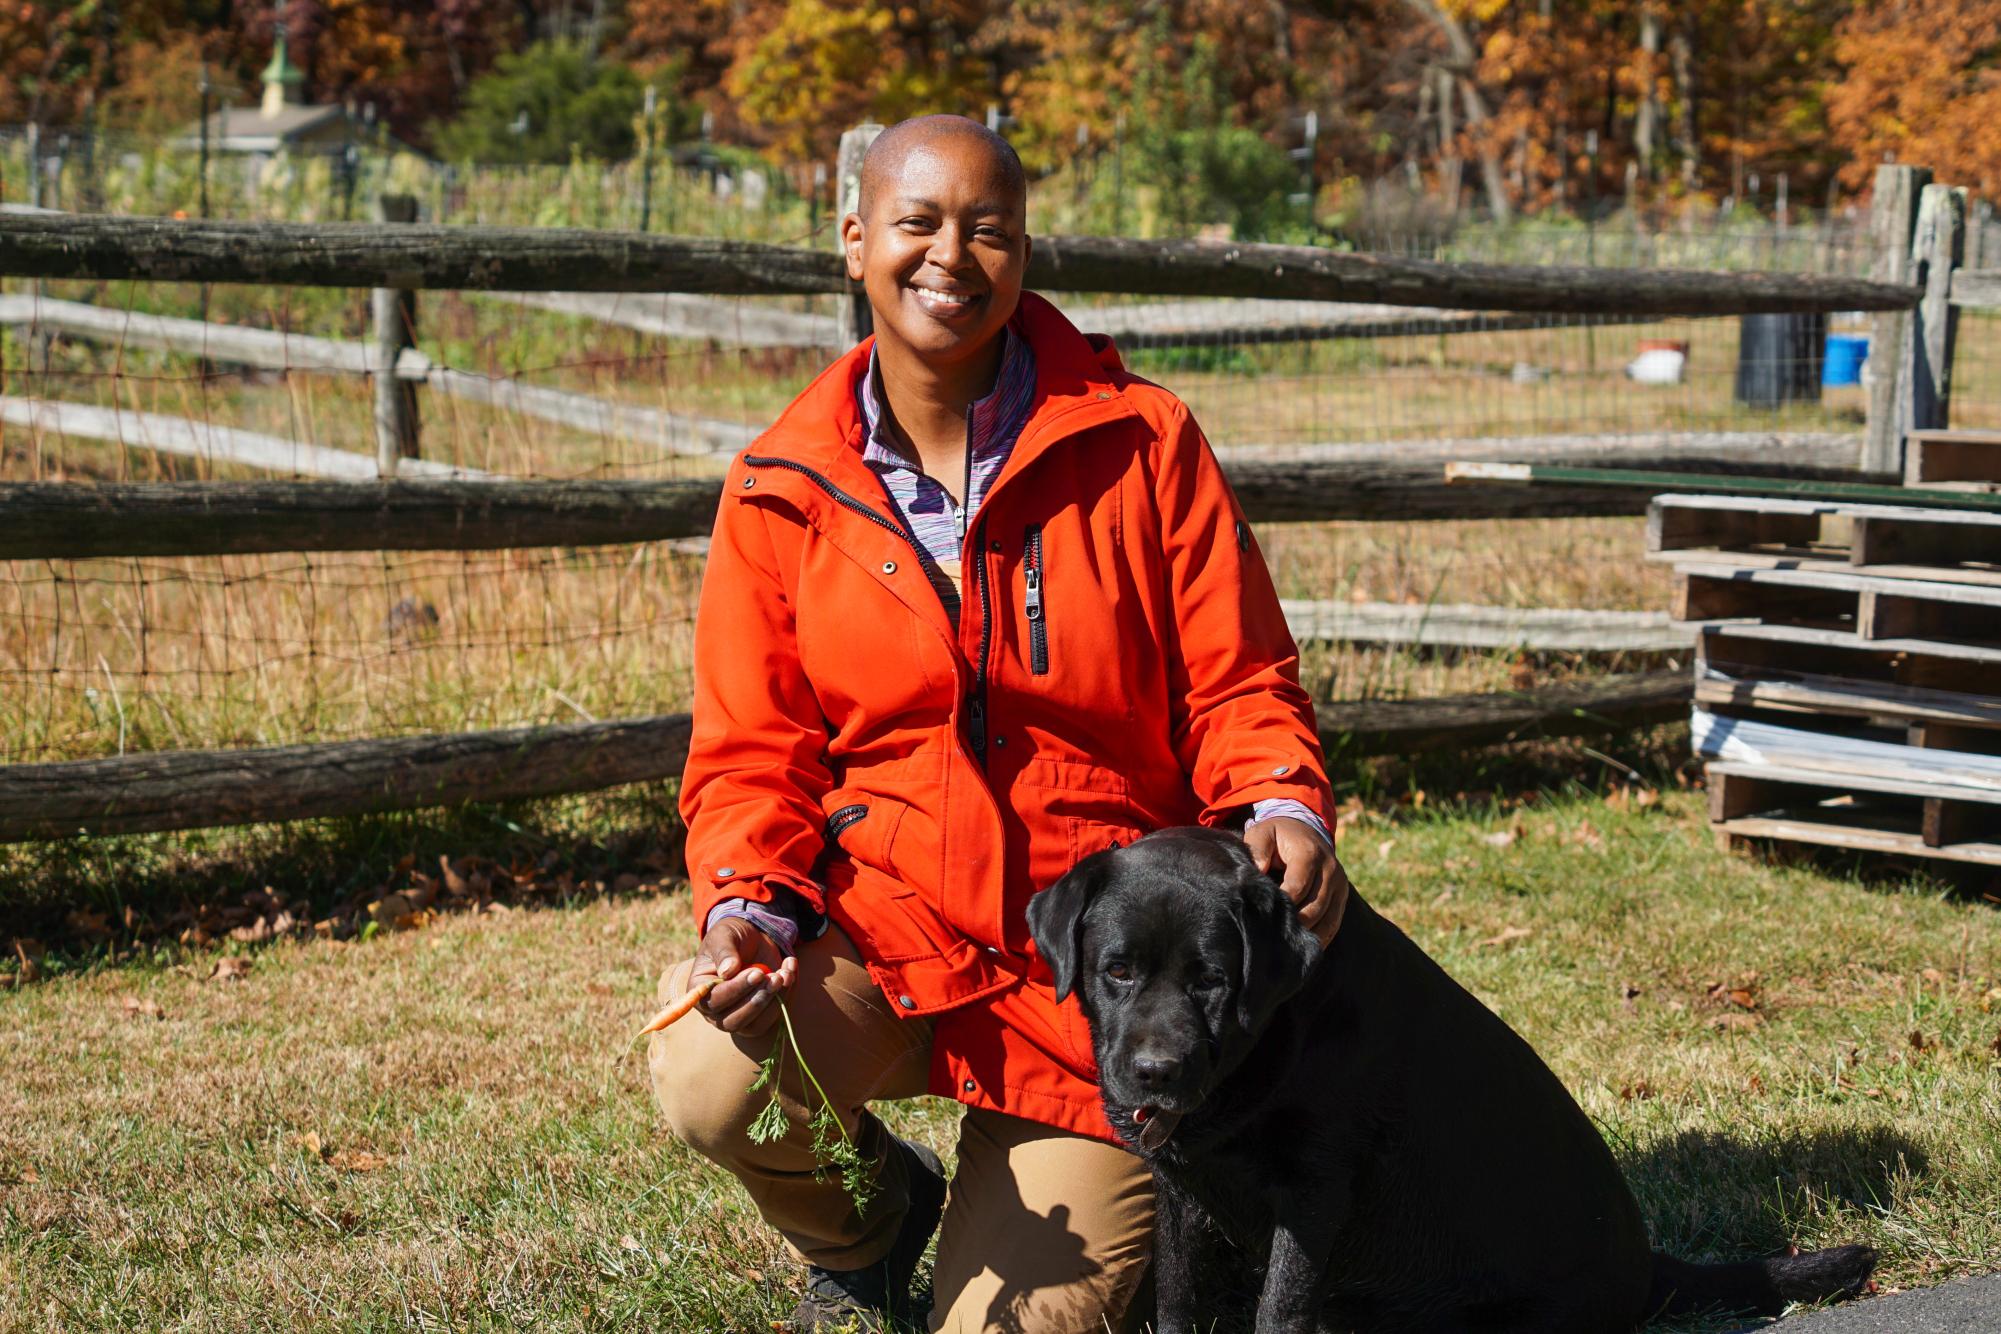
{"x": 1399, "y": 1156}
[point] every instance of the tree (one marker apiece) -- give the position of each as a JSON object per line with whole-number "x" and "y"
{"x": 546, "y": 104}
{"x": 1923, "y": 84}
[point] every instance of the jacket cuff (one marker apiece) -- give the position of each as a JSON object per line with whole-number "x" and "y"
{"x": 1273, "y": 807}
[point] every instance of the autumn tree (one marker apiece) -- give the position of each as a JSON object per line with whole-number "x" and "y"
{"x": 1921, "y": 83}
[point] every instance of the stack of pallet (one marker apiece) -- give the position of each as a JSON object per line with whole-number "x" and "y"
{"x": 1848, "y": 669}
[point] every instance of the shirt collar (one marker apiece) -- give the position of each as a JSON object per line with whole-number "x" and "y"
{"x": 880, "y": 451}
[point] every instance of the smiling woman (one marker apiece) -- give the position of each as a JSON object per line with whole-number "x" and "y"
{"x": 979, "y": 604}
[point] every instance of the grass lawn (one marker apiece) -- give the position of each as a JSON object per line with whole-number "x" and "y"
{"x": 445, "y": 1127}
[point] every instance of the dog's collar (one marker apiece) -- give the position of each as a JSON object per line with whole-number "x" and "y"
{"x": 1155, "y": 1127}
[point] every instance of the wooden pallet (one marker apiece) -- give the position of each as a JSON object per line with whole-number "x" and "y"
{"x": 1961, "y": 546}
{"x": 1953, "y": 460}
{"x": 1763, "y": 652}
{"x": 1750, "y": 802}
{"x": 1868, "y": 607}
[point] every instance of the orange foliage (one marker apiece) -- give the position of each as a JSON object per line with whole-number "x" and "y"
{"x": 1923, "y": 84}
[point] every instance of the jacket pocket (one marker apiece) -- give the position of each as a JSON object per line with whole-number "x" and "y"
{"x": 861, "y": 826}
{"x": 1034, "y": 608}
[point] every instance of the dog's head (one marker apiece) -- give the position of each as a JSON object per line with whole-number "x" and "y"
{"x": 1179, "y": 950}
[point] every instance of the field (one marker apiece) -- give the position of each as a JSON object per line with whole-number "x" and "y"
{"x": 445, "y": 1126}
{"x": 306, "y": 1076}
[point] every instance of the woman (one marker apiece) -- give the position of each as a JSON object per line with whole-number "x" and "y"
{"x": 980, "y": 603}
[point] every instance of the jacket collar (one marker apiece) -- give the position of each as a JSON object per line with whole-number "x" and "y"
{"x": 1075, "y": 389}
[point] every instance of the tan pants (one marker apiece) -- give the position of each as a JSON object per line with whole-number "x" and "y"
{"x": 1045, "y": 1232}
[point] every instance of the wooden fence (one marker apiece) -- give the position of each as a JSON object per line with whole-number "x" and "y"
{"x": 1921, "y": 285}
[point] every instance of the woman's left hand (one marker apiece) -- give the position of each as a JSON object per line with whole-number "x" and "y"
{"x": 1311, "y": 874}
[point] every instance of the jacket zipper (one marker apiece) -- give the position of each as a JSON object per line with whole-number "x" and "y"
{"x": 842, "y": 818}
{"x": 1031, "y": 602}
{"x": 976, "y": 701}
{"x": 976, "y": 706}
{"x": 842, "y": 497}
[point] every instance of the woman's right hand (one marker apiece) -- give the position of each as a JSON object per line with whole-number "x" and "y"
{"x": 744, "y": 999}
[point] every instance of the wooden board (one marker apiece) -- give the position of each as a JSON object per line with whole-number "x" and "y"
{"x": 1872, "y": 608}
{"x": 200, "y": 440}
{"x": 1796, "y": 755}
{"x": 1953, "y": 458}
{"x": 163, "y": 790}
{"x": 68, "y": 520}
{"x": 1749, "y": 650}
{"x": 1402, "y": 727}
{"x": 570, "y": 259}
{"x": 1814, "y": 692}
{"x": 1828, "y": 561}
{"x": 1441, "y": 625}
{"x": 1749, "y": 802}
{"x": 1865, "y": 534}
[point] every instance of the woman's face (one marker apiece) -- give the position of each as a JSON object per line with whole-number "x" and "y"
{"x": 942, "y": 251}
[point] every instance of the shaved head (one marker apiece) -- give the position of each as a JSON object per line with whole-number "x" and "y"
{"x": 885, "y": 157}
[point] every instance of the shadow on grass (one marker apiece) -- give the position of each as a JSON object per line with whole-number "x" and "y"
{"x": 144, "y": 898}
{"x": 1709, "y": 1197}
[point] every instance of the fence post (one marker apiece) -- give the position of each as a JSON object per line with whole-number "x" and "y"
{"x": 1979, "y": 217}
{"x": 1893, "y": 218}
{"x": 1936, "y": 250}
{"x": 395, "y": 313}
{"x": 856, "y": 323}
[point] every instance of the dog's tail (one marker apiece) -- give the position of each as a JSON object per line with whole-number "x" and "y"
{"x": 1761, "y": 1287}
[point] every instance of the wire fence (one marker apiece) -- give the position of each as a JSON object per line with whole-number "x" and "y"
{"x": 118, "y": 656}
{"x": 716, "y": 190}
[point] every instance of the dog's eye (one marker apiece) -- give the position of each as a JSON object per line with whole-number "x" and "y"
{"x": 1118, "y": 972}
{"x": 1210, "y": 981}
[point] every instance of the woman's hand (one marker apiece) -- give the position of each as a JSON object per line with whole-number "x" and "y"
{"x": 742, "y": 1001}
{"x": 1312, "y": 874}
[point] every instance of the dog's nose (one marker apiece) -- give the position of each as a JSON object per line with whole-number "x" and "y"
{"x": 1154, "y": 1071}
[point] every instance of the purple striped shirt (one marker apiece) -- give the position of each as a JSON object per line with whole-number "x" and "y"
{"x": 993, "y": 424}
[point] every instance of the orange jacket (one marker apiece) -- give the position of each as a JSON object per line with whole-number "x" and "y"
{"x": 1121, "y": 664}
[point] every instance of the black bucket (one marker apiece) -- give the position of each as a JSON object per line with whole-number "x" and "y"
{"x": 1778, "y": 359}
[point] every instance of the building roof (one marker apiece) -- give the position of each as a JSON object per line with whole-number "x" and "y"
{"x": 249, "y": 130}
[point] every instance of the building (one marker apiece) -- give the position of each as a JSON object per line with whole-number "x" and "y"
{"x": 282, "y": 122}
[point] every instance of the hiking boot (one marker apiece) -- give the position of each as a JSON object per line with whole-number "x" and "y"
{"x": 878, "y": 1297}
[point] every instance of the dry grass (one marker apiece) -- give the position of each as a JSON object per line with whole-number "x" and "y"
{"x": 161, "y": 1173}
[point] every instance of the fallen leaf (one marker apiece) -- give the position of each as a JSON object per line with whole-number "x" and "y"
{"x": 1995, "y": 1046}
{"x": 1919, "y": 1042}
{"x": 138, "y": 1007}
{"x": 499, "y": 908}
{"x": 29, "y": 951}
{"x": 454, "y": 882}
{"x": 630, "y": 1242}
{"x": 255, "y": 934}
{"x": 1499, "y": 839}
{"x": 1585, "y": 835}
{"x": 310, "y": 1142}
{"x": 1509, "y": 935}
{"x": 1743, "y": 998}
{"x": 230, "y": 968}
{"x": 1384, "y": 848}
{"x": 598, "y": 988}
{"x": 1735, "y": 1022}
{"x": 357, "y": 1160}
{"x": 1755, "y": 1084}
{"x": 1521, "y": 674}
{"x": 89, "y": 922}
{"x": 1932, "y": 975}
{"x": 1637, "y": 1091}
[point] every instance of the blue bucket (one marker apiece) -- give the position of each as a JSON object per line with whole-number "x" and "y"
{"x": 1845, "y": 355}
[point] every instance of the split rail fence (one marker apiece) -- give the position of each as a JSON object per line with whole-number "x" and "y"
{"x": 413, "y": 504}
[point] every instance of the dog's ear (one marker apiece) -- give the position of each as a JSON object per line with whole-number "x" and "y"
{"x": 1056, "y": 917}
{"x": 1279, "y": 952}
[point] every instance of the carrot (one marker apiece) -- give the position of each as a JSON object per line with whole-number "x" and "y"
{"x": 680, "y": 1008}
